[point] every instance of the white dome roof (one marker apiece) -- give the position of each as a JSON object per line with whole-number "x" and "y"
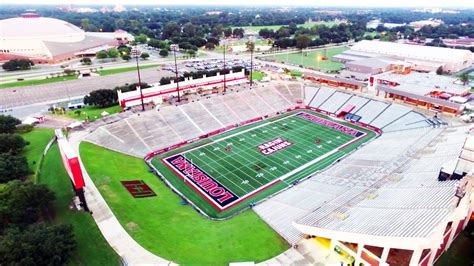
{"x": 40, "y": 28}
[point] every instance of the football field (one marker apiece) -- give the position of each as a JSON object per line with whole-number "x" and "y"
{"x": 310, "y": 58}
{"x": 233, "y": 168}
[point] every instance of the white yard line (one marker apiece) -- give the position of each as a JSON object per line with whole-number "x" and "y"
{"x": 138, "y": 136}
{"x": 112, "y": 135}
{"x": 207, "y": 110}
{"x": 190, "y": 119}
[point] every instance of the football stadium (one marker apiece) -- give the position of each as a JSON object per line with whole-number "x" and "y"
{"x": 339, "y": 175}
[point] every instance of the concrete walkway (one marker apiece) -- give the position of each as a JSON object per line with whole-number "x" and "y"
{"x": 117, "y": 237}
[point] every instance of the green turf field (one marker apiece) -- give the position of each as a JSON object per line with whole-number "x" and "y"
{"x": 247, "y": 165}
{"x": 310, "y": 58}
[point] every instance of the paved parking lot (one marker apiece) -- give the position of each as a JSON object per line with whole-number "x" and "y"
{"x": 15, "y": 97}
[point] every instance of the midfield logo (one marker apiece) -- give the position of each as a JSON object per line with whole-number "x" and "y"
{"x": 273, "y": 146}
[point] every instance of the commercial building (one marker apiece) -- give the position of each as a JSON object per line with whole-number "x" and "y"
{"x": 49, "y": 40}
{"x": 435, "y": 92}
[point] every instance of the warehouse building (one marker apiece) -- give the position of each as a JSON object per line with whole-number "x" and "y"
{"x": 421, "y": 58}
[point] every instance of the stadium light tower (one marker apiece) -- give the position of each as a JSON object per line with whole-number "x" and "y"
{"x": 224, "y": 42}
{"x": 251, "y": 40}
{"x": 135, "y": 52}
{"x": 175, "y": 48}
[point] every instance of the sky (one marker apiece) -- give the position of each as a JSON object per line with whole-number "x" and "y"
{"x": 360, "y": 3}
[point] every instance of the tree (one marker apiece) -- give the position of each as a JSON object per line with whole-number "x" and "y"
{"x": 144, "y": 56}
{"x": 69, "y": 72}
{"x": 171, "y": 29}
{"x": 238, "y": 32}
{"x": 11, "y": 143}
{"x": 189, "y": 30}
{"x": 8, "y": 123}
{"x": 164, "y": 53}
{"x": 37, "y": 245}
{"x": 191, "y": 53}
{"x": 23, "y": 202}
{"x": 86, "y": 61}
{"x": 12, "y": 167}
{"x": 217, "y": 30}
{"x": 227, "y": 32}
{"x": 210, "y": 46}
{"x": 18, "y": 64}
{"x": 302, "y": 41}
{"x": 112, "y": 53}
{"x": 101, "y": 54}
{"x": 131, "y": 87}
{"x": 101, "y": 98}
{"x": 85, "y": 24}
{"x": 126, "y": 57}
{"x": 439, "y": 70}
{"x": 142, "y": 38}
{"x": 464, "y": 77}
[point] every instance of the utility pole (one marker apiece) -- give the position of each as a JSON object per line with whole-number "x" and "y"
{"x": 136, "y": 53}
{"x": 252, "y": 47}
{"x": 175, "y": 48}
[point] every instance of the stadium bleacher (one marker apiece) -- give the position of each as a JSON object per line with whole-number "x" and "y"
{"x": 140, "y": 134}
{"x": 399, "y": 186}
{"x": 371, "y": 110}
{"x": 321, "y": 96}
{"x": 335, "y": 102}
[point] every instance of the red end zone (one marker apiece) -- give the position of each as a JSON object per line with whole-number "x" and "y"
{"x": 220, "y": 197}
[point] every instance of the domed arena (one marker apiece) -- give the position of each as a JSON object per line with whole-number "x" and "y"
{"x": 50, "y": 40}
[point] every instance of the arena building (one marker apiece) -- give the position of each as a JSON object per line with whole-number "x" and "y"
{"x": 421, "y": 58}
{"x": 48, "y": 40}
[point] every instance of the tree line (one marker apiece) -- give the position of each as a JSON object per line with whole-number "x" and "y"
{"x": 25, "y": 239}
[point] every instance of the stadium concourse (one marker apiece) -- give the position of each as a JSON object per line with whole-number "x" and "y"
{"x": 381, "y": 204}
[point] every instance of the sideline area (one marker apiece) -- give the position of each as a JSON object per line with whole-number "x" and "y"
{"x": 162, "y": 224}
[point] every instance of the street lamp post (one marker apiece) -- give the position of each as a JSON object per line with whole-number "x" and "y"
{"x": 225, "y": 87}
{"x": 175, "y": 48}
{"x": 252, "y": 47}
{"x": 136, "y": 53}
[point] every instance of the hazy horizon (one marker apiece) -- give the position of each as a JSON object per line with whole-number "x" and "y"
{"x": 294, "y": 3}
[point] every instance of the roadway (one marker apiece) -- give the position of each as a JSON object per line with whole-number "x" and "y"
{"x": 28, "y": 95}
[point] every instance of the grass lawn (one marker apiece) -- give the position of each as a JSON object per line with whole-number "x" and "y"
{"x": 35, "y": 82}
{"x": 220, "y": 48}
{"x": 92, "y": 248}
{"x": 257, "y": 75}
{"x": 92, "y": 112}
{"x": 38, "y": 139}
{"x": 309, "y": 59}
{"x": 106, "y": 72}
{"x": 276, "y": 27}
{"x": 170, "y": 230}
{"x": 459, "y": 253}
{"x": 240, "y": 162}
